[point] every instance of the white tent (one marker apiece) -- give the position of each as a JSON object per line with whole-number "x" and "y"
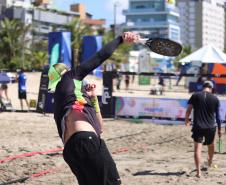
{"x": 206, "y": 54}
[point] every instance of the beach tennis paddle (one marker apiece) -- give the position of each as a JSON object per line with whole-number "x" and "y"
{"x": 219, "y": 145}
{"x": 162, "y": 46}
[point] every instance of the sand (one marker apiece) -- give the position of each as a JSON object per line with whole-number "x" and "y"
{"x": 145, "y": 153}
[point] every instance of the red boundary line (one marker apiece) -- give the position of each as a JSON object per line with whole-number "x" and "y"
{"x": 50, "y": 170}
{"x": 10, "y": 158}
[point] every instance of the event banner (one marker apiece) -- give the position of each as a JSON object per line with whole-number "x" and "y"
{"x": 156, "y": 107}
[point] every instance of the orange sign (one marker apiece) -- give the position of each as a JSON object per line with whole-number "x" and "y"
{"x": 219, "y": 69}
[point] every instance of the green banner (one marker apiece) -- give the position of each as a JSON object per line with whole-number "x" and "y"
{"x": 144, "y": 80}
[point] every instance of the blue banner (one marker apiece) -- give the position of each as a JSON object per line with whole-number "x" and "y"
{"x": 59, "y": 48}
{"x": 91, "y": 45}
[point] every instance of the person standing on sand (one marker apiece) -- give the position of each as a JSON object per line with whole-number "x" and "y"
{"x": 206, "y": 109}
{"x": 127, "y": 82}
{"x": 79, "y": 121}
{"x": 22, "y": 89}
{"x": 4, "y": 88}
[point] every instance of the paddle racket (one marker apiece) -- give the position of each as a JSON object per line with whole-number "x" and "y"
{"x": 162, "y": 46}
{"x": 219, "y": 145}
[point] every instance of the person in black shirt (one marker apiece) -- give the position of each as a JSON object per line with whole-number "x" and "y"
{"x": 79, "y": 121}
{"x": 206, "y": 112}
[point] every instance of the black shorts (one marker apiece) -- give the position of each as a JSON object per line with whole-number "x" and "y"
{"x": 22, "y": 95}
{"x": 198, "y": 134}
{"x": 90, "y": 161}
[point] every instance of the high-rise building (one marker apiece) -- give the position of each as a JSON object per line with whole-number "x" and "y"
{"x": 225, "y": 25}
{"x": 153, "y": 18}
{"x": 44, "y": 19}
{"x": 202, "y": 22}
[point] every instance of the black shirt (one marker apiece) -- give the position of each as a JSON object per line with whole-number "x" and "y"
{"x": 206, "y": 109}
{"x": 68, "y": 94}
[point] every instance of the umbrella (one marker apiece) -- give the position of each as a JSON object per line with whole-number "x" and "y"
{"x": 4, "y": 78}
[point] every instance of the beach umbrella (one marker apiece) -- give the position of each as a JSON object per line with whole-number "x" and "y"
{"x": 4, "y": 78}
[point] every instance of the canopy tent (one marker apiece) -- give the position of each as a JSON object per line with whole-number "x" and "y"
{"x": 206, "y": 54}
{"x": 4, "y": 78}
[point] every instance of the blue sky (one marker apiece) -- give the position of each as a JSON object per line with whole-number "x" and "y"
{"x": 98, "y": 8}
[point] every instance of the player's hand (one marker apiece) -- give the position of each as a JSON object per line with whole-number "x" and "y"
{"x": 90, "y": 90}
{"x": 130, "y": 37}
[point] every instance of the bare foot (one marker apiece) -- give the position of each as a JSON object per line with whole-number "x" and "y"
{"x": 209, "y": 163}
{"x": 198, "y": 175}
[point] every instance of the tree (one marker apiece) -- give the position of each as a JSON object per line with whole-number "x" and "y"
{"x": 78, "y": 29}
{"x": 12, "y": 39}
{"x": 122, "y": 52}
{"x": 187, "y": 50}
{"x": 39, "y": 59}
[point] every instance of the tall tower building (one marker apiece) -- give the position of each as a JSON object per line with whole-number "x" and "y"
{"x": 153, "y": 18}
{"x": 225, "y": 25}
{"x": 202, "y": 22}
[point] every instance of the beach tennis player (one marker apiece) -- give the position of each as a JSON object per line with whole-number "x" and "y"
{"x": 79, "y": 121}
{"x": 206, "y": 112}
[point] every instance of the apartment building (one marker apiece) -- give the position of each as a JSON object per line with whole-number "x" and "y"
{"x": 159, "y": 18}
{"x": 43, "y": 18}
{"x": 202, "y": 22}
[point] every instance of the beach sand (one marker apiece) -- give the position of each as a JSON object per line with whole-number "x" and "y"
{"x": 145, "y": 153}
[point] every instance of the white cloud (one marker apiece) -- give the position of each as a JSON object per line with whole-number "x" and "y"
{"x": 121, "y": 5}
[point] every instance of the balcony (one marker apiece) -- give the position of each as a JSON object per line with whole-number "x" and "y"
{"x": 146, "y": 11}
{"x": 147, "y": 24}
{"x": 150, "y": 24}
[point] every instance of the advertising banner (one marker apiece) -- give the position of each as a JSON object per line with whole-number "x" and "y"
{"x": 91, "y": 45}
{"x": 154, "y": 107}
{"x": 59, "y": 50}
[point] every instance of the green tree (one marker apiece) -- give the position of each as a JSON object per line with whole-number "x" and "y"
{"x": 37, "y": 55}
{"x": 78, "y": 29}
{"x": 187, "y": 50}
{"x": 121, "y": 54}
{"x": 39, "y": 59}
{"x": 12, "y": 42}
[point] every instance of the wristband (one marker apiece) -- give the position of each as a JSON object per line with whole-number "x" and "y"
{"x": 95, "y": 104}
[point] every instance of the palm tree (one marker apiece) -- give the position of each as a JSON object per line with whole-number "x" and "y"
{"x": 121, "y": 54}
{"x": 12, "y": 39}
{"x": 39, "y": 59}
{"x": 78, "y": 30}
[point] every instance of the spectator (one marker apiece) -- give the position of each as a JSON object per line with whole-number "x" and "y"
{"x": 127, "y": 81}
{"x": 22, "y": 90}
{"x": 119, "y": 79}
{"x": 183, "y": 71}
{"x": 161, "y": 84}
{"x": 4, "y": 89}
